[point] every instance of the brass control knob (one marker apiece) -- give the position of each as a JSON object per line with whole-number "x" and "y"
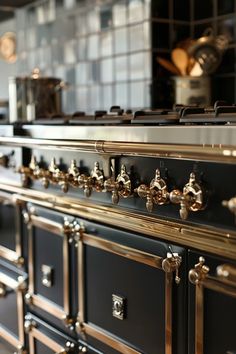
{"x": 191, "y": 199}
{"x": 4, "y": 160}
{"x": 56, "y": 176}
{"x": 156, "y": 193}
{"x": 86, "y": 182}
{"x": 98, "y": 178}
{"x": 121, "y": 187}
{"x": 73, "y": 174}
{"x": 230, "y": 204}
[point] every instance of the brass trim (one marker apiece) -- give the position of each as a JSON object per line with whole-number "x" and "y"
{"x": 202, "y": 152}
{"x": 81, "y": 282}
{"x": 123, "y": 251}
{"x": 48, "y": 306}
{"x": 9, "y": 337}
{"x": 199, "y": 313}
{"x": 9, "y": 281}
{"x": 48, "y": 342}
{"x": 20, "y": 308}
{"x": 37, "y": 300}
{"x": 209, "y": 239}
{"x": 108, "y": 340}
{"x": 46, "y": 224}
{"x": 168, "y": 312}
{"x": 8, "y": 254}
{"x": 219, "y": 285}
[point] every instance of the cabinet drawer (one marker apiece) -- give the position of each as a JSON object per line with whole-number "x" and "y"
{"x": 50, "y": 268}
{"x": 128, "y": 285}
{"x": 11, "y": 247}
{"x": 212, "y": 305}
{"x": 12, "y": 287}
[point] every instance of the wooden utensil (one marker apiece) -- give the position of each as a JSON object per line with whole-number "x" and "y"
{"x": 180, "y": 58}
{"x": 168, "y": 65}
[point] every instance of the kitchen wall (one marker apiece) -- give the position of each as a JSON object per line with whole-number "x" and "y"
{"x": 107, "y": 50}
{"x": 6, "y": 69}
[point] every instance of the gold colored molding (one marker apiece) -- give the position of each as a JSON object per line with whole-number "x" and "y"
{"x": 214, "y": 153}
{"x": 47, "y": 341}
{"x": 209, "y": 239}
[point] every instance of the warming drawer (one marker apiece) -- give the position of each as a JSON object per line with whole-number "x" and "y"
{"x": 212, "y": 305}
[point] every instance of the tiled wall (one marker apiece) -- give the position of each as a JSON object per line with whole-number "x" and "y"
{"x": 107, "y": 50}
{"x": 102, "y": 48}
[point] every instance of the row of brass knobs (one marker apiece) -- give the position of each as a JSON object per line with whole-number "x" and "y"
{"x": 191, "y": 198}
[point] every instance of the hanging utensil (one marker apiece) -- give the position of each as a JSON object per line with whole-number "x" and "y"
{"x": 168, "y": 65}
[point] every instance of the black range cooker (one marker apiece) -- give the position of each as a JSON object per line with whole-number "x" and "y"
{"x": 118, "y": 233}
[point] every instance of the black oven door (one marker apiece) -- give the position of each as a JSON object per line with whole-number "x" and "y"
{"x": 212, "y": 305}
{"x": 11, "y": 246}
{"x": 12, "y": 287}
{"x": 132, "y": 292}
{"x": 50, "y": 268}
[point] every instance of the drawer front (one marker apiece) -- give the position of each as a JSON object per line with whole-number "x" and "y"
{"x": 49, "y": 263}
{"x": 212, "y": 305}
{"x": 12, "y": 286}
{"x": 128, "y": 304}
{"x": 44, "y": 339}
{"x": 11, "y": 246}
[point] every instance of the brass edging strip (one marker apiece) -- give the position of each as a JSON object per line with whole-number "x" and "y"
{"x": 81, "y": 282}
{"x": 66, "y": 275}
{"x": 46, "y": 224}
{"x": 168, "y": 312}
{"x": 199, "y": 315}
{"x": 123, "y": 251}
{"x": 48, "y": 306}
{"x": 7, "y": 197}
{"x": 48, "y": 342}
{"x": 9, "y": 337}
{"x": 18, "y": 231}
{"x": 203, "y": 152}
{"x": 31, "y": 258}
{"x": 223, "y": 242}
{"x": 108, "y": 340}
{"x": 20, "y": 309}
{"x": 31, "y": 343}
{"x": 219, "y": 285}
{"x": 8, "y": 281}
{"x": 8, "y": 254}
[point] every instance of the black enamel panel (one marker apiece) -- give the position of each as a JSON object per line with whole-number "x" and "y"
{"x": 6, "y": 347}
{"x": 48, "y": 250}
{"x": 217, "y": 179}
{"x": 8, "y": 226}
{"x": 40, "y": 348}
{"x": 219, "y": 314}
{"x": 9, "y": 312}
{"x": 143, "y": 290}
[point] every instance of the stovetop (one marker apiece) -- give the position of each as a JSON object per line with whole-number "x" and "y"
{"x": 221, "y": 114}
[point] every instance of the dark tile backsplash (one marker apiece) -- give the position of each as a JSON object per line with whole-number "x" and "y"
{"x": 107, "y": 50}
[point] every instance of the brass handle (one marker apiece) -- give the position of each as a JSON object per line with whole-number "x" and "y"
{"x": 121, "y": 187}
{"x": 171, "y": 264}
{"x": 156, "y": 193}
{"x": 199, "y": 272}
{"x": 192, "y": 197}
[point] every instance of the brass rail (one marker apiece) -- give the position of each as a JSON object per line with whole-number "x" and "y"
{"x": 216, "y": 153}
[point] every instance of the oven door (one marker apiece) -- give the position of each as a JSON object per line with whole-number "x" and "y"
{"x": 126, "y": 287}
{"x": 44, "y": 339}
{"x": 50, "y": 268}
{"x": 12, "y": 286}
{"x": 212, "y": 305}
{"x": 11, "y": 247}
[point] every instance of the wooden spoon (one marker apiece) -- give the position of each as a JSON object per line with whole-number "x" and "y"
{"x": 180, "y": 58}
{"x": 168, "y": 65}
